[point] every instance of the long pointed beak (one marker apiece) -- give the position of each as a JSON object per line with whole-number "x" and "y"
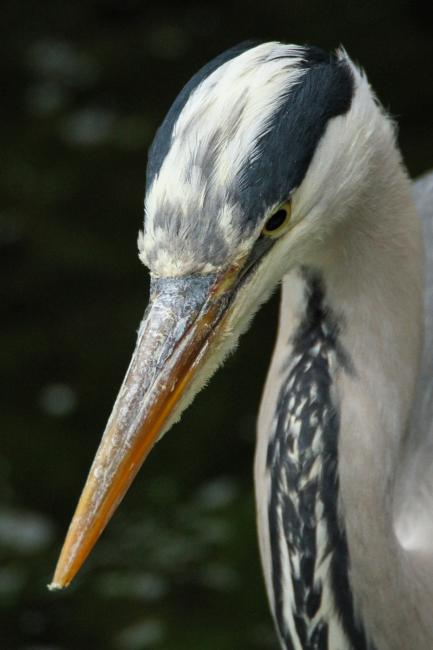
{"x": 178, "y": 329}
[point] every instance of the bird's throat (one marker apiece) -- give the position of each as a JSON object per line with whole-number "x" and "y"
{"x": 313, "y": 605}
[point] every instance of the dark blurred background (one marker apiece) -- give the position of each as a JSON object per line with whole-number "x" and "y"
{"x": 83, "y": 87}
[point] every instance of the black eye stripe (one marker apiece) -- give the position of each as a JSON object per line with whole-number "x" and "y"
{"x": 276, "y": 220}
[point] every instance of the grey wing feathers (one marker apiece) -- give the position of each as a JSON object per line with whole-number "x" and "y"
{"x": 423, "y": 194}
{"x": 414, "y": 492}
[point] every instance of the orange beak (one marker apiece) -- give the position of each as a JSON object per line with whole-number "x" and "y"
{"x": 181, "y": 325}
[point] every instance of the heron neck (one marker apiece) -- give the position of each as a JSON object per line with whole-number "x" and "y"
{"x": 371, "y": 300}
{"x": 374, "y": 285}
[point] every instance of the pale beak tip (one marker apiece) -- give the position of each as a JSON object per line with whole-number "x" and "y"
{"x": 60, "y": 580}
{"x": 55, "y": 586}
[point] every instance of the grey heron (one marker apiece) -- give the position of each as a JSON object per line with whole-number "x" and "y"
{"x": 277, "y": 164}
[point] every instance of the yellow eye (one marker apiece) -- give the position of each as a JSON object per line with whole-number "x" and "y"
{"x": 278, "y": 223}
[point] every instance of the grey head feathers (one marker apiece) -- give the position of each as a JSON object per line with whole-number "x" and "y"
{"x": 235, "y": 144}
{"x": 162, "y": 140}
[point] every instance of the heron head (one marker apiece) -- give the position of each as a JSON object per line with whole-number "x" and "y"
{"x": 251, "y": 169}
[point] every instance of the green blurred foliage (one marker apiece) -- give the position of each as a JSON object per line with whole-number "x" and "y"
{"x": 84, "y": 86}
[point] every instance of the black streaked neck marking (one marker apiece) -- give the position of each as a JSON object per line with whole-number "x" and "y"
{"x": 303, "y": 505}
